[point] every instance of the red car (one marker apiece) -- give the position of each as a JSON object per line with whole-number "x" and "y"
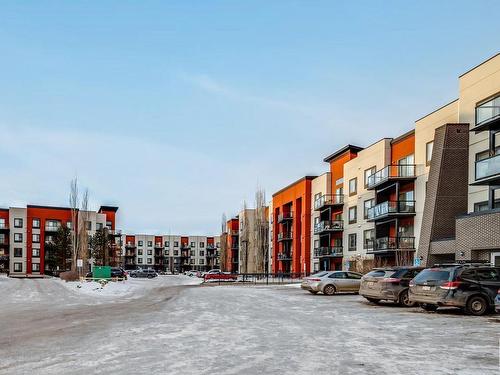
{"x": 219, "y": 275}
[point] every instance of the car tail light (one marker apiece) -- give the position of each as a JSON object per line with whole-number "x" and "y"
{"x": 313, "y": 279}
{"x": 450, "y": 285}
{"x": 392, "y": 280}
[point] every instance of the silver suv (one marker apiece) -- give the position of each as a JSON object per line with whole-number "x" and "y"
{"x": 331, "y": 282}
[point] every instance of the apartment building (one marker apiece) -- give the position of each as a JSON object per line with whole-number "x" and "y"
{"x": 25, "y": 232}
{"x": 320, "y": 187}
{"x": 232, "y": 246}
{"x": 292, "y": 227}
{"x": 172, "y": 253}
{"x": 328, "y": 228}
{"x": 462, "y": 210}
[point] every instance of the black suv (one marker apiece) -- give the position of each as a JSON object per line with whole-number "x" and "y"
{"x": 472, "y": 288}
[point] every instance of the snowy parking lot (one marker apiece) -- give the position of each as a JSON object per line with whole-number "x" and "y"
{"x": 171, "y": 325}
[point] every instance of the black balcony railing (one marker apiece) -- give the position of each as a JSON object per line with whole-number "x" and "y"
{"x": 328, "y": 226}
{"x": 285, "y": 236}
{"x": 488, "y": 170}
{"x": 388, "y": 208}
{"x": 328, "y": 200}
{"x": 328, "y": 251}
{"x": 285, "y": 216}
{"x": 391, "y": 172}
{"x": 390, "y": 243}
{"x": 284, "y": 256}
{"x": 211, "y": 247}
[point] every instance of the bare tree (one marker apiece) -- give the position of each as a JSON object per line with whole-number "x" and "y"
{"x": 83, "y": 235}
{"x": 261, "y": 231}
{"x": 74, "y": 204}
{"x": 245, "y": 233}
{"x": 223, "y": 243}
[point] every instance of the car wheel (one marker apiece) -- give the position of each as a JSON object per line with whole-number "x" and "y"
{"x": 428, "y": 307}
{"x": 373, "y": 300}
{"x": 476, "y": 305}
{"x": 404, "y": 299}
{"x": 329, "y": 290}
{"x": 313, "y": 292}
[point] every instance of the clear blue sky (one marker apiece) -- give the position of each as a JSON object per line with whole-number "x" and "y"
{"x": 178, "y": 110}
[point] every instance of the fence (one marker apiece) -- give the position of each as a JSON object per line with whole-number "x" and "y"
{"x": 264, "y": 279}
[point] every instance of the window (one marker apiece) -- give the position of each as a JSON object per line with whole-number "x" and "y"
{"x": 139, "y": 261}
{"x": 366, "y": 206}
{"x": 2, "y": 223}
{"x": 166, "y": 253}
{"x": 353, "y": 186}
{"x": 18, "y": 267}
{"x": 368, "y": 173}
{"x": 35, "y": 238}
{"x": 351, "y": 275}
{"x": 99, "y": 226}
{"x": 488, "y": 274}
{"x": 193, "y": 253}
{"x": 140, "y": 243}
{"x": 49, "y": 239}
{"x": 481, "y": 206}
{"x": 35, "y": 253}
{"x": 35, "y": 267}
{"x": 428, "y": 152}
{"x": 150, "y": 252}
{"x": 18, "y": 252}
{"x": 167, "y": 243}
{"x": 88, "y": 225}
{"x": 191, "y": 261}
{"x": 202, "y": 253}
{"x": 496, "y": 197}
{"x": 150, "y": 243}
{"x": 109, "y": 224}
{"x": 18, "y": 237}
{"x": 202, "y": 261}
{"x": 69, "y": 225}
{"x": 353, "y": 215}
{"x": 18, "y": 223}
{"x": 139, "y": 252}
{"x": 193, "y": 244}
{"x": 368, "y": 236}
{"x": 176, "y": 253}
{"x": 150, "y": 261}
{"x": 202, "y": 245}
{"x": 352, "y": 242}
{"x": 337, "y": 275}
{"x": 36, "y": 223}
{"x": 176, "y": 243}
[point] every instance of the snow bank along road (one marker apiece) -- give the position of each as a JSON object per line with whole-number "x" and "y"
{"x": 164, "y": 326}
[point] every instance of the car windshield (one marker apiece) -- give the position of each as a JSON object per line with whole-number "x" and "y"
{"x": 380, "y": 273}
{"x": 319, "y": 274}
{"x": 435, "y": 274}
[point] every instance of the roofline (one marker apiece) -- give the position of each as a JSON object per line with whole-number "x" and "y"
{"x": 305, "y": 178}
{"x": 477, "y": 66}
{"x": 438, "y": 109}
{"x": 108, "y": 208}
{"x": 403, "y": 136}
{"x": 342, "y": 151}
{"x": 50, "y": 207}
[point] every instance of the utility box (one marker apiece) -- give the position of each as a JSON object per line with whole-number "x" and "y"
{"x": 101, "y": 272}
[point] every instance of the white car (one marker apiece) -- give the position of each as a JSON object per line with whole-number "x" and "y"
{"x": 193, "y": 273}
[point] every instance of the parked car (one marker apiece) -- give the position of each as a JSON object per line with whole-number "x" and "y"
{"x": 149, "y": 273}
{"x": 218, "y": 275}
{"x": 473, "y": 288}
{"x": 193, "y": 273}
{"x": 331, "y": 282}
{"x": 389, "y": 284}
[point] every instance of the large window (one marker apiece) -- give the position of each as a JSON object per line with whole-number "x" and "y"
{"x": 368, "y": 235}
{"x": 353, "y": 186}
{"x": 35, "y": 253}
{"x": 488, "y": 111}
{"x": 428, "y": 152}
{"x": 18, "y": 237}
{"x": 36, "y": 223}
{"x": 35, "y": 267}
{"x": 18, "y": 223}
{"x": 35, "y": 238}
{"x": 353, "y": 215}
{"x": 18, "y": 267}
{"x": 368, "y": 173}
{"x": 352, "y": 242}
{"x": 18, "y": 252}
{"x": 366, "y": 206}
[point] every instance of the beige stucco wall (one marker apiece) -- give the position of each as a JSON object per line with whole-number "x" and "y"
{"x": 378, "y": 156}
{"x": 320, "y": 185}
{"x": 476, "y": 86}
{"x": 424, "y": 133}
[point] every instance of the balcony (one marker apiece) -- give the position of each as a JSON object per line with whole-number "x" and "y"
{"x": 211, "y": 247}
{"x": 286, "y": 216}
{"x": 285, "y": 236}
{"x": 129, "y": 253}
{"x": 329, "y": 251}
{"x": 4, "y": 241}
{"x": 285, "y": 256}
{"x": 129, "y": 262}
{"x": 391, "y": 173}
{"x": 389, "y": 244}
{"x": 185, "y": 246}
{"x": 130, "y": 245}
{"x": 328, "y": 226}
{"x": 390, "y": 209}
{"x": 488, "y": 171}
{"x": 158, "y": 245}
{"x": 4, "y": 226}
{"x": 488, "y": 116}
{"x": 328, "y": 200}
{"x": 212, "y": 255}
{"x": 185, "y": 253}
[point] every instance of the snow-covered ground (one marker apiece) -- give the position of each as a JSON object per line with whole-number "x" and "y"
{"x": 165, "y": 326}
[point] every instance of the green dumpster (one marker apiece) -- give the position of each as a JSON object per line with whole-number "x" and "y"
{"x": 101, "y": 272}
